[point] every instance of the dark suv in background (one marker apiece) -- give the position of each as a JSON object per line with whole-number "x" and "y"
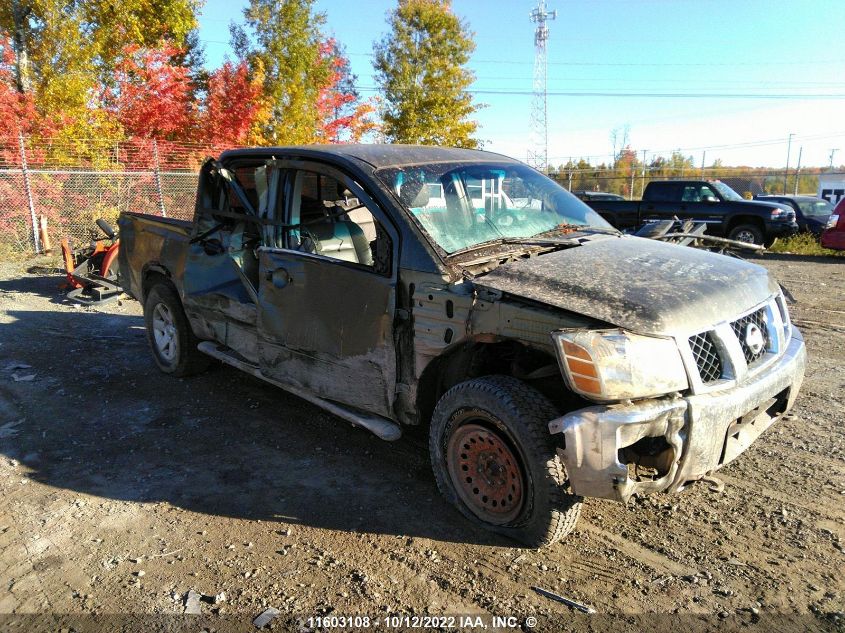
{"x": 811, "y": 213}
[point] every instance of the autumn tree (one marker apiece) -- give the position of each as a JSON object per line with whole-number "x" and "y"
{"x": 142, "y": 23}
{"x": 232, "y": 106}
{"x": 67, "y": 51}
{"x": 679, "y": 165}
{"x": 420, "y": 67}
{"x": 152, "y": 95}
{"x": 343, "y": 116}
{"x": 282, "y": 39}
{"x": 17, "y": 109}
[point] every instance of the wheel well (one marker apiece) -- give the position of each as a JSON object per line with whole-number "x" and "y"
{"x": 745, "y": 219}
{"x": 153, "y": 276}
{"x": 509, "y": 358}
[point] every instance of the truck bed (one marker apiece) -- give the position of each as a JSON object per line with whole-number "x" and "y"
{"x": 150, "y": 241}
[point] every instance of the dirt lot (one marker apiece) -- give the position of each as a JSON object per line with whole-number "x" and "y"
{"x": 121, "y": 489}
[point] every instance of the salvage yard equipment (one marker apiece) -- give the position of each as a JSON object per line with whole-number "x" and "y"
{"x": 689, "y": 233}
{"x": 93, "y": 271}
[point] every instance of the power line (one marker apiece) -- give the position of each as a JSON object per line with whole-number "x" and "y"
{"x": 670, "y": 64}
{"x": 675, "y": 80}
{"x": 498, "y": 62}
{"x": 728, "y": 146}
{"x": 650, "y": 95}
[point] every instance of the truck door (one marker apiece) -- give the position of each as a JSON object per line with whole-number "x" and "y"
{"x": 661, "y": 202}
{"x": 327, "y": 291}
{"x": 700, "y": 202}
{"x": 221, "y": 267}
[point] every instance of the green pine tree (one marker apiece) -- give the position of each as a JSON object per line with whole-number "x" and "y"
{"x": 420, "y": 67}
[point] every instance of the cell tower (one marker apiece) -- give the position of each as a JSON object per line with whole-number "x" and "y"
{"x": 538, "y": 154}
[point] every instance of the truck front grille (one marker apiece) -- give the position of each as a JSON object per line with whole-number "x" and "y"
{"x": 706, "y": 357}
{"x": 733, "y": 349}
{"x": 740, "y": 326}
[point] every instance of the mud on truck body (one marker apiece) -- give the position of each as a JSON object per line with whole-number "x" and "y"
{"x": 550, "y": 356}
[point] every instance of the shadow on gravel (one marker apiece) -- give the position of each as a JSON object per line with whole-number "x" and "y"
{"x": 786, "y": 257}
{"x": 100, "y": 419}
{"x": 43, "y": 281}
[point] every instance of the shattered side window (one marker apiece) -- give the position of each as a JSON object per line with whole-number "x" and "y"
{"x": 220, "y": 193}
{"x": 246, "y": 177}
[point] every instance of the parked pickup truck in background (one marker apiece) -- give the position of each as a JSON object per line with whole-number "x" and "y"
{"x": 549, "y": 356}
{"x": 726, "y": 213}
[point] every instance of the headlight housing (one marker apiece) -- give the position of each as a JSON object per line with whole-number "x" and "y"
{"x": 783, "y": 214}
{"x": 607, "y": 365}
{"x": 832, "y": 220}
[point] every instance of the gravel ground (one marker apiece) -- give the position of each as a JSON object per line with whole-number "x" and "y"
{"x": 122, "y": 489}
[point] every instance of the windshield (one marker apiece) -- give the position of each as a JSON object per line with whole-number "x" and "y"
{"x": 727, "y": 192}
{"x": 461, "y": 205}
{"x": 817, "y": 208}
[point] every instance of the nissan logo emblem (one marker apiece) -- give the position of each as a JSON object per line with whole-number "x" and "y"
{"x": 754, "y": 339}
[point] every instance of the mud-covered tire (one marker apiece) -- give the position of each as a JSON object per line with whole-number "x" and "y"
{"x": 182, "y": 358}
{"x": 747, "y": 233}
{"x": 513, "y": 417}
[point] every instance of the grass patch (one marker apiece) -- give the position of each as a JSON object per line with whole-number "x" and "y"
{"x": 803, "y": 244}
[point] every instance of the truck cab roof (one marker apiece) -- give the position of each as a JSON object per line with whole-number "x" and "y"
{"x": 378, "y": 155}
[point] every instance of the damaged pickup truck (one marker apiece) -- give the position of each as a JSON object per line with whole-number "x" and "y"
{"x": 552, "y": 357}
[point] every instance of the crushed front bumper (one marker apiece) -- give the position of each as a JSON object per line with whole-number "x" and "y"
{"x": 699, "y": 433}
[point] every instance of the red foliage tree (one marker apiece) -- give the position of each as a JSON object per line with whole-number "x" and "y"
{"x": 17, "y": 110}
{"x": 152, "y": 97}
{"x": 343, "y": 118}
{"x": 232, "y": 106}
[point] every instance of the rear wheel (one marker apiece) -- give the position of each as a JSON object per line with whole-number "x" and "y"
{"x": 747, "y": 233}
{"x": 494, "y": 459}
{"x": 169, "y": 334}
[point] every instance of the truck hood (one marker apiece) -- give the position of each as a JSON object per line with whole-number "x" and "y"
{"x": 762, "y": 204}
{"x": 638, "y": 284}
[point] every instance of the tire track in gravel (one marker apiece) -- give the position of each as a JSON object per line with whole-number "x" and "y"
{"x": 819, "y": 505}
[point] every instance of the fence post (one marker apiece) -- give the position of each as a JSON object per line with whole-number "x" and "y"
{"x": 36, "y": 242}
{"x": 158, "y": 180}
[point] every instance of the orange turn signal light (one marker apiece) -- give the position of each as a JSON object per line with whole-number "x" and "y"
{"x": 582, "y": 371}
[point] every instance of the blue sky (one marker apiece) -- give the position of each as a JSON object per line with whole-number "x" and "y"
{"x": 670, "y": 47}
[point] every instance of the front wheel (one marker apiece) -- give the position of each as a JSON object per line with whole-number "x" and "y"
{"x": 169, "y": 334}
{"x": 494, "y": 459}
{"x": 747, "y": 233}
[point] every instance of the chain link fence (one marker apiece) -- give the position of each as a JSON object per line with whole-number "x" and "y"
{"x": 63, "y": 188}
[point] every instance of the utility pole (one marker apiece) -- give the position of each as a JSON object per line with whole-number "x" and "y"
{"x": 642, "y": 188}
{"x": 703, "y": 155}
{"x": 832, "y": 153}
{"x": 36, "y": 241}
{"x": 786, "y": 171}
{"x": 797, "y": 170}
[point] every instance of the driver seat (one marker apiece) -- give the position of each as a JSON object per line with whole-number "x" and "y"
{"x": 332, "y": 237}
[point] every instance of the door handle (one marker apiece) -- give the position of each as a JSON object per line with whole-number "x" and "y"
{"x": 279, "y": 277}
